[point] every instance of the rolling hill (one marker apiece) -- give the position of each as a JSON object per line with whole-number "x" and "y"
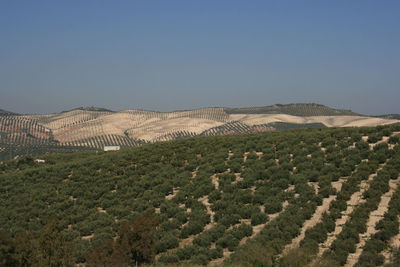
{"x": 293, "y": 109}
{"x": 303, "y": 197}
{"x": 94, "y": 128}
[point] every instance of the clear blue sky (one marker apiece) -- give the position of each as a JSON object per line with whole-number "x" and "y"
{"x": 169, "y": 55}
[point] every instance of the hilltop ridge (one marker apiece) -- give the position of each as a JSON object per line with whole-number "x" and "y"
{"x": 296, "y": 109}
{"x": 6, "y": 113}
{"x": 92, "y": 108}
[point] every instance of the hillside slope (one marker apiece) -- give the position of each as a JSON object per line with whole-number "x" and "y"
{"x": 245, "y": 199}
{"x": 94, "y": 128}
{"x": 293, "y": 109}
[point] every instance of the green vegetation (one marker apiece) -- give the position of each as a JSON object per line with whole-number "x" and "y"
{"x": 235, "y": 127}
{"x": 49, "y": 247}
{"x": 90, "y": 109}
{"x": 292, "y": 109}
{"x": 280, "y": 126}
{"x": 6, "y": 113}
{"x": 390, "y": 116}
{"x": 202, "y": 199}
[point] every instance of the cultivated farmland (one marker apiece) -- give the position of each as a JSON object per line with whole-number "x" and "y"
{"x": 325, "y": 196}
{"x": 94, "y": 128}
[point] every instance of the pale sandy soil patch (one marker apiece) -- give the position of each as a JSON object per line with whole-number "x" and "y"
{"x": 194, "y": 173}
{"x": 204, "y": 201}
{"x": 262, "y": 208}
{"x": 230, "y": 155}
{"x": 338, "y": 184}
{"x": 65, "y": 119}
{"x": 238, "y": 178}
{"x": 138, "y": 124}
{"x": 186, "y": 241}
{"x": 257, "y": 119}
{"x": 329, "y": 121}
{"x": 214, "y": 181}
{"x": 101, "y": 210}
{"x": 315, "y": 186}
{"x": 117, "y": 123}
{"x": 349, "y": 121}
{"x": 80, "y": 131}
{"x": 385, "y": 139}
{"x": 245, "y": 155}
{"x": 87, "y": 237}
{"x": 289, "y": 189}
{"x": 151, "y": 130}
{"x": 173, "y": 194}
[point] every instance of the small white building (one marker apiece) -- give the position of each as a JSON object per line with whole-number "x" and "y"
{"x": 40, "y": 161}
{"x": 111, "y": 148}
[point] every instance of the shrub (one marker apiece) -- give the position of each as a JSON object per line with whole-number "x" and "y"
{"x": 169, "y": 258}
{"x": 167, "y": 241}
{"x": 258, "y": 218}
{"x": 191, "y": 229}
{"x": 200, "y": 259}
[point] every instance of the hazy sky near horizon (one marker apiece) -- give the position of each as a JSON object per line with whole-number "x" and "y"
{"x": 170, "y": 55}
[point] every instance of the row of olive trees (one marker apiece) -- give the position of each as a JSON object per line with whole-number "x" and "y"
{"x": 93, "y": 194}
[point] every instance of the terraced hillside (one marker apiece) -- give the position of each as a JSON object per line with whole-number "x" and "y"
{"x": 93, "y": 128}
{"x": 314, "y": 197}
